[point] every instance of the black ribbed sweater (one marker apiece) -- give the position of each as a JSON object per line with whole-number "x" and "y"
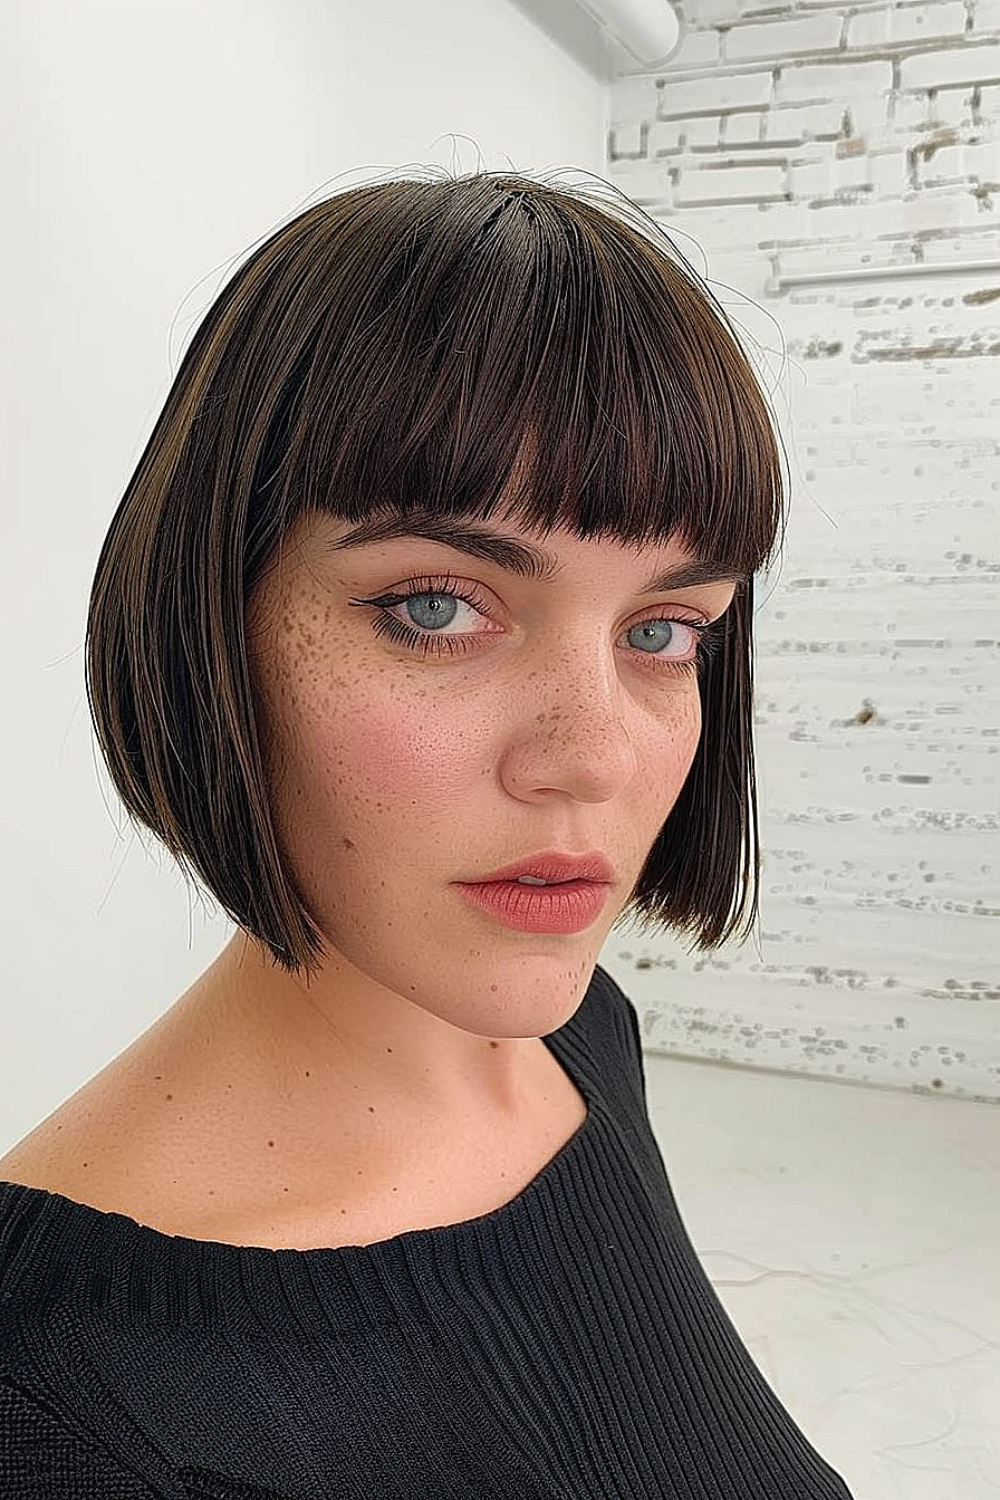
{"x": 567, "y": 1345}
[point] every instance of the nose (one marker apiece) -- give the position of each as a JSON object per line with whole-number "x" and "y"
{"x": 580, "y": 728}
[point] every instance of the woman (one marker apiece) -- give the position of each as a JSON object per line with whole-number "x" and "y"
{"x": 438, "y": 562}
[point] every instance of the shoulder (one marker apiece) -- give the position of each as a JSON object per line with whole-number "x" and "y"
{"x": 96, "y": 1141}
{"x": 121, "y": 1127}
{"x": 50, "y": 1155}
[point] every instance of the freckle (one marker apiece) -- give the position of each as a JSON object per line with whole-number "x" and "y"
{"x": 170, "y": 1096}
{"x": 270, "y": 1143}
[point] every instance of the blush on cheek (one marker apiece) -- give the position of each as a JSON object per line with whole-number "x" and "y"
{"x": 389, "y": 748}
{"x": 377, "y": 770}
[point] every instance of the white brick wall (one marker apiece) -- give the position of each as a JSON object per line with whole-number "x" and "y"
{"x": 837, "y": 166}
{"x": 775, "y": 39}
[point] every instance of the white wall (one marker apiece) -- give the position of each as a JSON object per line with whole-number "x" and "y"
{"x": 804, "y": 148}
{"x": 145, "y": 148}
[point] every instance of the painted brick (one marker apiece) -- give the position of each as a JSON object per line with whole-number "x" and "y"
{"x": 698, "y": 49}
{"x": 701, "y": 132}
{"x": 900, "y": 219}
{"x": 870, "y": 28}
{"x": 739, "y": 227}
{"x": 946, "y": 165}
{"x": 784, "y": 223}
{"x": 729, "y": 184}
{"x": 964, "y": 162}
{"x": 742, "y": 129}
{"x": 776, "y": 39}
{"x": 671, "y": 136}
{"x": 870, "y": 115}
{"x": 851, "y": 172}
{"x": 664, "y": 138}
{"x": 968, "y": 246}
{"x": 647, "y": 183}
{"x": 812, "y": 179}
{"x": 911, "y": 112}
{"x": 982, "y": 161}
{"x": 709, "y": 95}
{"x": 889, "y": 174}
{"x": 836, "y": 255}
{"x": 951, "y": 107}
{"x": 750, "y": 273}
{"x": 986, "y": 17}
{"x": 893, "y": 25}
{"x": 626, "y": 140}
{"x": 900, "y": 397}
{"x": 928, "y": 214}
{"x": 803, "y": 122}
{"x": 834, "y": 81}
{"x": 633, "y": 100}
{"x": 965, "y": 64}
{"x": 718, "y": 12}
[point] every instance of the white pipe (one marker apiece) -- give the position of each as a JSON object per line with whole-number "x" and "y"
{"x": 648, "y": 29}
{"x": 888, "y": 273}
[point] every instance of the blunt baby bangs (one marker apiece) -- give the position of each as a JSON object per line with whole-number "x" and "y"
{"x": 437, "y": 345}
{"x": 477, "y": 346}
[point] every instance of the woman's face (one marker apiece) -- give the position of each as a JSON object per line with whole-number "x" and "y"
{"x": 549, "y": 720}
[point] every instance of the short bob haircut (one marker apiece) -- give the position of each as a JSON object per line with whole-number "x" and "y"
{"x": 477, "y": 344}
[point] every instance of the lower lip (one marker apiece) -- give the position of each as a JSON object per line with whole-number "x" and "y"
{"x": 569, "y": 906}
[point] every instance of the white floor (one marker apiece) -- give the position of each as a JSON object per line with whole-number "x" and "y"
{"x": 853, "y": 1236}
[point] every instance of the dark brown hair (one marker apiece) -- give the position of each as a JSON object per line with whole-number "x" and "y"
{"x": 477, "y": 344}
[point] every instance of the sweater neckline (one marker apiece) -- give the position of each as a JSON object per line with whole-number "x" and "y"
{"x": 94, "y": 1257}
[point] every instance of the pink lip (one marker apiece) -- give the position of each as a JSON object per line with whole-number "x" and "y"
{"x": 569, "y": 907}
{"x": 552, "y": 864}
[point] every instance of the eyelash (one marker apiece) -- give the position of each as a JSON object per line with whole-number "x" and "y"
{"x": 709, "y": 633}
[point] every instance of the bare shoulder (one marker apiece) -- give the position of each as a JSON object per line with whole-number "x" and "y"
{"x": 110, "y": 1138}
{"x": 176, "y": 1134}
{"x": 71, "y": 1149}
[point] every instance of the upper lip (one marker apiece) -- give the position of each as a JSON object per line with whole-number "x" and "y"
{"x": 552, "y": 864}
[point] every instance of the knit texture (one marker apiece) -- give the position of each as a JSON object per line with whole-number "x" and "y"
{"x": 567, "y": 1345}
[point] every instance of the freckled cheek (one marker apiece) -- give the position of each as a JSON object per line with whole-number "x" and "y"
{"x": 683, "y": 735}
{"x": 378, "y": 753}
{"x": 693, "y": 725}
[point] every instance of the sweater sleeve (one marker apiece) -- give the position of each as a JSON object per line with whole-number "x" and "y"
{"x": 42, "y": 1459}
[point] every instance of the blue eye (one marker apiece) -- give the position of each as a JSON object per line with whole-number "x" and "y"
{"x": 704, "y": 637}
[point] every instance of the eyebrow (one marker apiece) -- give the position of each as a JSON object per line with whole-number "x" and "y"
{"x": 514, "y": 555}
